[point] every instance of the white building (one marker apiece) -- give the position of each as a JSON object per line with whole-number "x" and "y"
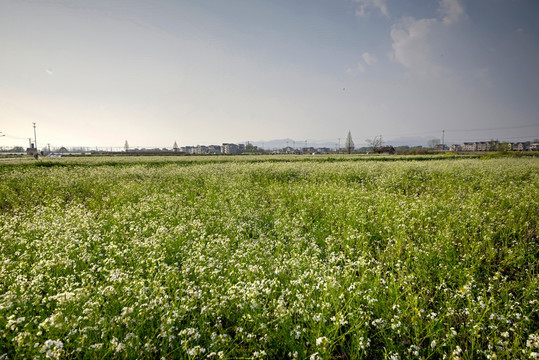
{"x": 469, "y": 146}
{"x": 227, "y": 148}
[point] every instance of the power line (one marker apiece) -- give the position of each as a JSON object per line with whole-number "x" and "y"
{"x": 505, "y": 138}
{"x": 524, "y": 137}
{"x": 497, "y": 128}
{"x": 435, "y": 132}
{"x": 15, "y": 137}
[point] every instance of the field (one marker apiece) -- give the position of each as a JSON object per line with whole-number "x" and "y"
{"x": 269, "y": 257}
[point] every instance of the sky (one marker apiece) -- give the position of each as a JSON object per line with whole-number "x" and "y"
{"x": 97, "y": 73}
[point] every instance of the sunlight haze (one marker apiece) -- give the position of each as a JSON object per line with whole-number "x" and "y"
{"x": 97, "y": 73}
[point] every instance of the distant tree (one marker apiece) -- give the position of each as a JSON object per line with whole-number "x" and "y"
{"x": 126, "y": 146}
{"x": 504, "y": 146}
{"x": 363, "y": 150}
{"x": 349, "y": 144}
{"x": 251, "y": 149}
{"x": 433, "y": 142}
{"x": 375, "y": 143}
{"x": 403, "y": 149}
{"x": 175, "y": 147}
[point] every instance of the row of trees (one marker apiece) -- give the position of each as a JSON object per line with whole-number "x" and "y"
{"x": 15, "y": 149}
{"x": 375, "y": 143}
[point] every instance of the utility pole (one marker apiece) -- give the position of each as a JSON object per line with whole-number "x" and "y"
{"x": 443, "y": 138}
{"x": 35, "y": 138}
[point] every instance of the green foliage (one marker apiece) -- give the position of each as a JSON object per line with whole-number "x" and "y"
{"x": 246, "y": 257}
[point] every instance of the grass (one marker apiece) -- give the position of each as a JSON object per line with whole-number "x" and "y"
{"x": 276, "y": 257}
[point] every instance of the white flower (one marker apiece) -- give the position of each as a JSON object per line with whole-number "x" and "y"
{"x": 321, "y": 341}
{"x": 196, "y": 350}
{"x": 533, "y": 341}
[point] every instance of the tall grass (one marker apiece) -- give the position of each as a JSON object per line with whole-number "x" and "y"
{"x": 276, "y": 259}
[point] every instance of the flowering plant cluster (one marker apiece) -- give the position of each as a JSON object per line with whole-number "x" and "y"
{"x": 331, "y": 259}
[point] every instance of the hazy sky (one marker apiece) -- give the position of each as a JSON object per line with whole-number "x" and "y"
{"x": 99, "y": 72}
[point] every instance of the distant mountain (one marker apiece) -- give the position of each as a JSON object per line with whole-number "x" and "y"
{"x": 282, "y": 143}
{"x": 298, "y": 144}
{"x": 410, "y": 141}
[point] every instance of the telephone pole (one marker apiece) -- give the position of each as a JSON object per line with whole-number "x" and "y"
{"x": 35, "y": 138}
{"x": 443, "y": 138}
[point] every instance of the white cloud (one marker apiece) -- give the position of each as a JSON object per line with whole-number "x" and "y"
{"x": 450, "y": 10}
{"x": 364, "y": 7}
{"x": 411, "y": 47}
{"x": 411, "y": 39}
{"x": 369, "y": 59}
{"x": 360, "y": 68}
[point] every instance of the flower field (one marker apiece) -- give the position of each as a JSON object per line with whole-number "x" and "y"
{"x": 262, "y": 257}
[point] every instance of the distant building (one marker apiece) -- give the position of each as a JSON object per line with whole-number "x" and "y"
{"x": 307, "y": 150}
{"x": 214, "y": 149}
{"x": 469, "y": 146}
{"x": 32, "y": 150}
{"x": 201, "y": 149}
{"x": 291, "y": 150}
{"x": 230, "y": 149}
{"x": 521, "y": 146}
{"x": 480, "y": 145}
{"x": 188, "y": 150}
{"x": 440, "y": 147}
{"x": 323, "y": 150}
{"x": 455, "y": 148}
